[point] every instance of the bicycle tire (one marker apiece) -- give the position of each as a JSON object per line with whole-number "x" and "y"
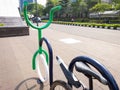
{"x": 60, "y": 83}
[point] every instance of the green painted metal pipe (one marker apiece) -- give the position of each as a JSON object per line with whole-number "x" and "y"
{"x": 39, "y": 28}
{"x": 54, "y": 9}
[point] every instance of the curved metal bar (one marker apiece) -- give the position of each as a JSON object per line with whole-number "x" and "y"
{"x": 54, "y": 9}
{"x": 106, "y": 74}
{"x": 50, "y": 58}
{"x": 40, "y": 50}
{"x": 42, "y": 58}
{"x": 26, "y": 16}
{"x": 33, "y": 60}
{"x": 46, "y": 54}
{"x": 35, "y": 55}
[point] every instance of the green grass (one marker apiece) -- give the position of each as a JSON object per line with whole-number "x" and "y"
{"x": 1, "y": 24}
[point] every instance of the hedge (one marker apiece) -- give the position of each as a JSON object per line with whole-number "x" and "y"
{"x": 1, "y": 24}
{"x": 109, "y": 26}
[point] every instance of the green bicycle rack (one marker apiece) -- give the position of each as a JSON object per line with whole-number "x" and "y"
{"x": 40, "y": 51}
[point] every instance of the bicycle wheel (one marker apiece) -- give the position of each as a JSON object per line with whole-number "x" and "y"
{"x": 60, "y": 85}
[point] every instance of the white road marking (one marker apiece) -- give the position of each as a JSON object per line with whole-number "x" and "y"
{"x": 69, "y": 41}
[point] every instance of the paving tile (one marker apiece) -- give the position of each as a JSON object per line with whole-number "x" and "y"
{"x": 16, "y": 58}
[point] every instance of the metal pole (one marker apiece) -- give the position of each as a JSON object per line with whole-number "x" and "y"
{"x": 36, "y": 12}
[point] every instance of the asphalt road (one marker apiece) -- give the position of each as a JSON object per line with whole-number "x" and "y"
{"x": 107, "y": 35}
{"x": 67, "y": 42}
{"x": 101, "y": 44}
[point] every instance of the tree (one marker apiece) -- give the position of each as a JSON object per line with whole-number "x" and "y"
{"x": 101, "y": 7}
{"x": 116, "y": 4}
{"x": 64, "y": 3}
{"x": 83, "y": 8}
{"x": 117, "y": 7}
{"x": 32, "y": 9}
{"x": 116, "y": 1}
{"x": 55, "y": 2}
{"x": 79, "y": 8}
{"x": 66, "y": 8}
{"x": 49, "y": 5}
{"x": 92, "y": 3}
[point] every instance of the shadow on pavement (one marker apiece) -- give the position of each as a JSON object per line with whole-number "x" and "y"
{"x": 32, "y": 83}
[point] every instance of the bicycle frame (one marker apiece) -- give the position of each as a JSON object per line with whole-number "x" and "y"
{"x": 111, "y": 81}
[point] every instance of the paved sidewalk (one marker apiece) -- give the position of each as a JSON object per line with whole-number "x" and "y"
{"x": 15, "y": 62}
{"x": 16, "y": 58}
